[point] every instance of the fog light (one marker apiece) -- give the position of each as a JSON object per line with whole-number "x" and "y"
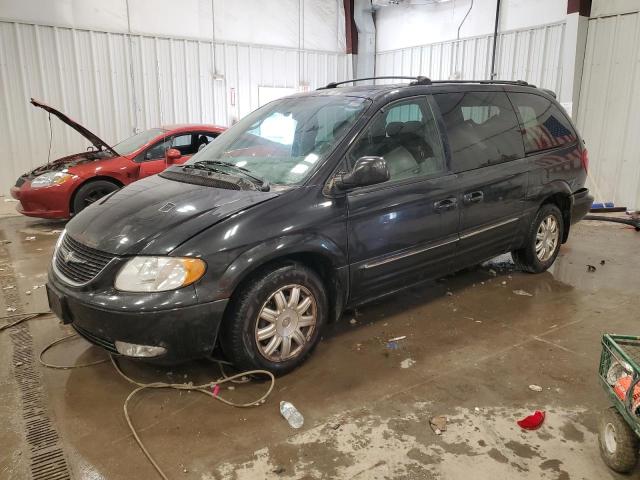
{"x": 133, "y": 350}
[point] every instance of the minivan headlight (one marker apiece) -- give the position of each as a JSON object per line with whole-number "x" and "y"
{"x": 50, "y": 178}
{"x": 158, "y": 274}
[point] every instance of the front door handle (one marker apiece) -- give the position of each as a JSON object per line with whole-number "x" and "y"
{"x": 445, "y": 205}
{"x": 473, "y": 197}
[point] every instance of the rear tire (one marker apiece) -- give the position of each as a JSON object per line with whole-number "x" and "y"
{"x": 618, "y": 443}
{"x": 91, "y": 192}
{"x": 542, "y": 242}
{"x": 276, "y": 319}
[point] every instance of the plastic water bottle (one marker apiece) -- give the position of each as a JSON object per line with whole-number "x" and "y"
{"x": 291, "y": 413}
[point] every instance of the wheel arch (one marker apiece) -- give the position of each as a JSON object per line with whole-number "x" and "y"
{"x": 320, "y": 255}
{"x": 563, "y": 202}
{"x": 559, "y": 194}
{"x": 107, "y": 178}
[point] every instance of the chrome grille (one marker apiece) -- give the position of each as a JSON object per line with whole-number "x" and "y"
{"x": 77, "y": 263}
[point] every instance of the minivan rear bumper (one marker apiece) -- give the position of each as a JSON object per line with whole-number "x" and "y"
{"x": 185, "y": 333}
{"x": 581, "y": 203}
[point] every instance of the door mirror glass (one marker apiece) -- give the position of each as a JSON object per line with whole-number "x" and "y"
{"x": 173, "y": 154}
{"x": 366, "y": 171}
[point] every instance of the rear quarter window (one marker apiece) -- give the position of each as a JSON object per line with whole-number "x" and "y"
{"x": 544, "y": 125}
{"x": 482, "y": 129}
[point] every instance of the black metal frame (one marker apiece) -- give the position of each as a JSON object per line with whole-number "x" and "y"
{"x": 416, "y": 80}
{"x": 420, "y": 80}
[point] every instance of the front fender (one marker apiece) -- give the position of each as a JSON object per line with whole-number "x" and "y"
{"x": 276, "y": 248}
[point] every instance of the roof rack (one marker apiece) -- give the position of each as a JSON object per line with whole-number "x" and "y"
{"x": 416, "y": 80}
{"x": 489, "y": 82}
{"x": 420, "y": 80}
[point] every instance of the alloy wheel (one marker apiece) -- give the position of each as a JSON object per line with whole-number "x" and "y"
{"x": 547, "y": 238}
{"x": 286, "y": 323}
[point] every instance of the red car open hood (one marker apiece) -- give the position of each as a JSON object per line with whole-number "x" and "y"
{"x": 92, "y": 137}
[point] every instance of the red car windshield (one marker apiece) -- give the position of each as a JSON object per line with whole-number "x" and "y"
{"x": 131, "y": 144}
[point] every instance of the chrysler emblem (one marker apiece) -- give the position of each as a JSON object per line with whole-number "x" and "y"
{"x": 69, "y": 257}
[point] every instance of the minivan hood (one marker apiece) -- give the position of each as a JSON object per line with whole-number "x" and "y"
{"x": 154, "y": 215}
{"x": 92, "y": 137}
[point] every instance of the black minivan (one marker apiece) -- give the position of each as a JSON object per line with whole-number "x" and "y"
{"x": 315, "y": 203}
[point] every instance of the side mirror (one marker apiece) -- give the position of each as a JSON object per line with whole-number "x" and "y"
{"x": 366, "y": 171}
{"x": 173, "y": 154}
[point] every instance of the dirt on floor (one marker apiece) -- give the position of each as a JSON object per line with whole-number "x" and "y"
{"x": 472, "y": 344}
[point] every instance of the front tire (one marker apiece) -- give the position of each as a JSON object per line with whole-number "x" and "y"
{"x": 542, "y": 243}
{"x": 91, "y": 192}
{"x": 618, "y": 443}
{"x": 276, "y": 319}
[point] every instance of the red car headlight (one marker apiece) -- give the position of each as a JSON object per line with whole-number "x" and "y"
{"x": 50, "y": 178}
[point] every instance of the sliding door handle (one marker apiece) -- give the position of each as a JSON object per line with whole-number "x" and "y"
{"x": 445, "y": 205}
{"x": 473, "y": 197}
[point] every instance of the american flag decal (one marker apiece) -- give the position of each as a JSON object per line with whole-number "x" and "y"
{"x": 552, "y": 133}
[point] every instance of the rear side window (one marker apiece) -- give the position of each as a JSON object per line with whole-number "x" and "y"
{"x": 482, "y": 129}
{"x": 544, "y": 125}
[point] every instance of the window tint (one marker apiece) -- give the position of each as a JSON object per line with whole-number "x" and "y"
{"x": 406, "y": 136}
{"x": 479, "y": 113}
{"x": 482, "y": 129}
{"x": 543, "y": 124}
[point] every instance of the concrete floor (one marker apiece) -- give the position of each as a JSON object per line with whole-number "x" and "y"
{"x": 473, "y": 352}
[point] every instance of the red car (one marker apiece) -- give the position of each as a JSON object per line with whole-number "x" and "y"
{"x": 63, "y": 187}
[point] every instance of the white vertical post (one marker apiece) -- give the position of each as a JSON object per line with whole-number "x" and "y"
{"x": 575, "y": 41}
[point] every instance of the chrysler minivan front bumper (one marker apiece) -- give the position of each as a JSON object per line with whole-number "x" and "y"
{"x": 180, "y": 333}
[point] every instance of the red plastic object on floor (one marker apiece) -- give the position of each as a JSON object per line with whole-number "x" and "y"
{"x": 532, "y": 422}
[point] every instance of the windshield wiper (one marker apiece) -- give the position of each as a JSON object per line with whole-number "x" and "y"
{"x": 204, "y": 166}
{"x": 262, "y": 182}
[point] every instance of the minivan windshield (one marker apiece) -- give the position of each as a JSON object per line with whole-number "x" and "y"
{"x": 131, "y": 144}
{"x": 284, "y": 140}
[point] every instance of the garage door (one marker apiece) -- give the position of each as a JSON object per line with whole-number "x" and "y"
{"x": 609, "y": 109}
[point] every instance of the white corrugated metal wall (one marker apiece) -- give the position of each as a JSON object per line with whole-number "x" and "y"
{"x": 532, "y": 54}
{"x": 609, "y": 108}
{"x": 115, "y": 83}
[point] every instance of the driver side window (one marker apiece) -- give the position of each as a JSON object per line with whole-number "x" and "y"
{"x": 406, "y": 135}
{"x": 156, "y": 152}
